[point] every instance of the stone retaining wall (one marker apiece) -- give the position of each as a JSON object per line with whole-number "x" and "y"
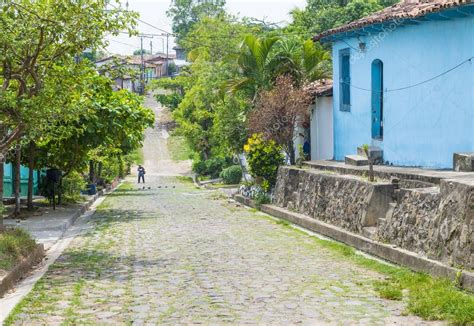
{"x": 455, "y": 222}
{"x": 435, "y": 222}
{"x": 413, "y": 222}
{"x": 345, "y": 201}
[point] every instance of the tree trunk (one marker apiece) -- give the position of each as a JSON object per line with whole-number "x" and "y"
{"x": 17, "y": 181}
{"x": 99, "y": 170}
{"x": 2, "y": 166}
{"x": 121, "y": 167}
{"x": 291, "y": 152}
{"x": 60, "y": 191}
{"x": 91, "y": 171}
{"x": 31, "y": 168}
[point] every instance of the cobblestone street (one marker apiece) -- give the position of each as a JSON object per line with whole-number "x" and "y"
{"x": 171, "y": 253}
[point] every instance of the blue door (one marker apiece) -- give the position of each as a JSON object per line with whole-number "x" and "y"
{"x": 377, "y": 100}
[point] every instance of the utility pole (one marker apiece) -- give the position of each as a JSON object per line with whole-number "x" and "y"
{"x": 167, "y": 58}
{"x": 142, "y": 72}
{"x": 142, "y": 68}
{"x": 148, "y": 35}
{"x": 151, "y": 47}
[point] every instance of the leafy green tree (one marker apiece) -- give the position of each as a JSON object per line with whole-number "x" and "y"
{"x": 140, "y": 51}
{"x": 70, "y": 81}
{"x": 321, "y": 15}
{"x": 185, "y": 13}
{"x": 216, "y": 38}
{"x": 36, "y": 38}
{"x": 195, "y": 113}
{"x": 212, "y": 121}
{"x": 169, "y": 91}
{"x": 109, "y": 126}
{"x": 230, "y": 124}
{"x": 112, "y": 121}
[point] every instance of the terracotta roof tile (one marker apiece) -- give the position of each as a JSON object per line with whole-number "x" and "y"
{"x": 405, "y": 9}
{"x": 320, "y": 88}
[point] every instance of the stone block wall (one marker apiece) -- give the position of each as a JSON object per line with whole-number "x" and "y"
{"x": 436, "y": 222}
{"x": 455, "y": 222}
{"x": 345, "y": 201}
{"x": 412, "y": 224}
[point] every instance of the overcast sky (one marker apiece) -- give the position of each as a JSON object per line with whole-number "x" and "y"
{"x": 154, "y": 13}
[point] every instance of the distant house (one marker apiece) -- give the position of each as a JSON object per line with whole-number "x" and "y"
{"x": 180, "y": 53}
{"x": 404, "y": 83}
{"x": 180, "y": 61}
{"x": 126, "y": 70}
{"x": 161, "y": 62}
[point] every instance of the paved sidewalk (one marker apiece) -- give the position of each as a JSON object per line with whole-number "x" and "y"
{"x": 50, "y": 226}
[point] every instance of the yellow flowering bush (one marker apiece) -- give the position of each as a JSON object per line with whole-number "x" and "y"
{"x": 264, "y": 157}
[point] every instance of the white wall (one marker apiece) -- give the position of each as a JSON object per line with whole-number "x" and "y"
{"x": 322, "y": 135}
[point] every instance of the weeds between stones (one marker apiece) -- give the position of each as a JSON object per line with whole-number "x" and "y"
{"x": 428, "y": 297}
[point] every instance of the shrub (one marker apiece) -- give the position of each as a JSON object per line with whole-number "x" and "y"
{"x": 264, "y": 157}
{"x": 261, "y": 198}
{"x": 72, "y": 185}
{"x": 231, "y": 175}
{"x": 214, "y": 166}
{"x": 199, "y": 167}
{"x": 211, "y": 167}
{"x": 171, "y": 101}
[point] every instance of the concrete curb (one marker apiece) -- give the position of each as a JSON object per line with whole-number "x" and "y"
{"x": 378, "y": 249}
{"x": 66, "y": 225}
{"x": 85, "y": 207}
{"x": 20, "y": 269}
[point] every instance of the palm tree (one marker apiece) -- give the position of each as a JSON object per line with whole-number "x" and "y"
{"x": 262, "y": 60}
{"x": 254, "y": 63}
{"x": 305, "y": 62}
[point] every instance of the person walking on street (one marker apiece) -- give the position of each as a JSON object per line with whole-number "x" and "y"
{"x": 141, "y": 173}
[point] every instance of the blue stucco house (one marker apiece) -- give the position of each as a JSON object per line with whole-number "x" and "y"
{"x": 404, "y": 82}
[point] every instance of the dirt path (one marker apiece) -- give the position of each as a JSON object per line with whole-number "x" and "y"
{"x": 157, "y": 159}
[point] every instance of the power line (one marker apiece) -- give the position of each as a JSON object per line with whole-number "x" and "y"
{"x": 417, "y": 84}
{"x": 123, "y": 43}
{"x": 144, "y": 22}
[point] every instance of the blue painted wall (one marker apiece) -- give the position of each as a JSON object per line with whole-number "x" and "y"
{"x": 8, "y": 181}
{"x": 424, "y": 125}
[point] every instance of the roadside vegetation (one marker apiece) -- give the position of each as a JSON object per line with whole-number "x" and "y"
{"x": 428, "y": 297}
{"x": 178, "y": 148}
{"x": 15, "y": 245}
{"x": 246, "y": 78}
{"x": 57, "y": 111}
